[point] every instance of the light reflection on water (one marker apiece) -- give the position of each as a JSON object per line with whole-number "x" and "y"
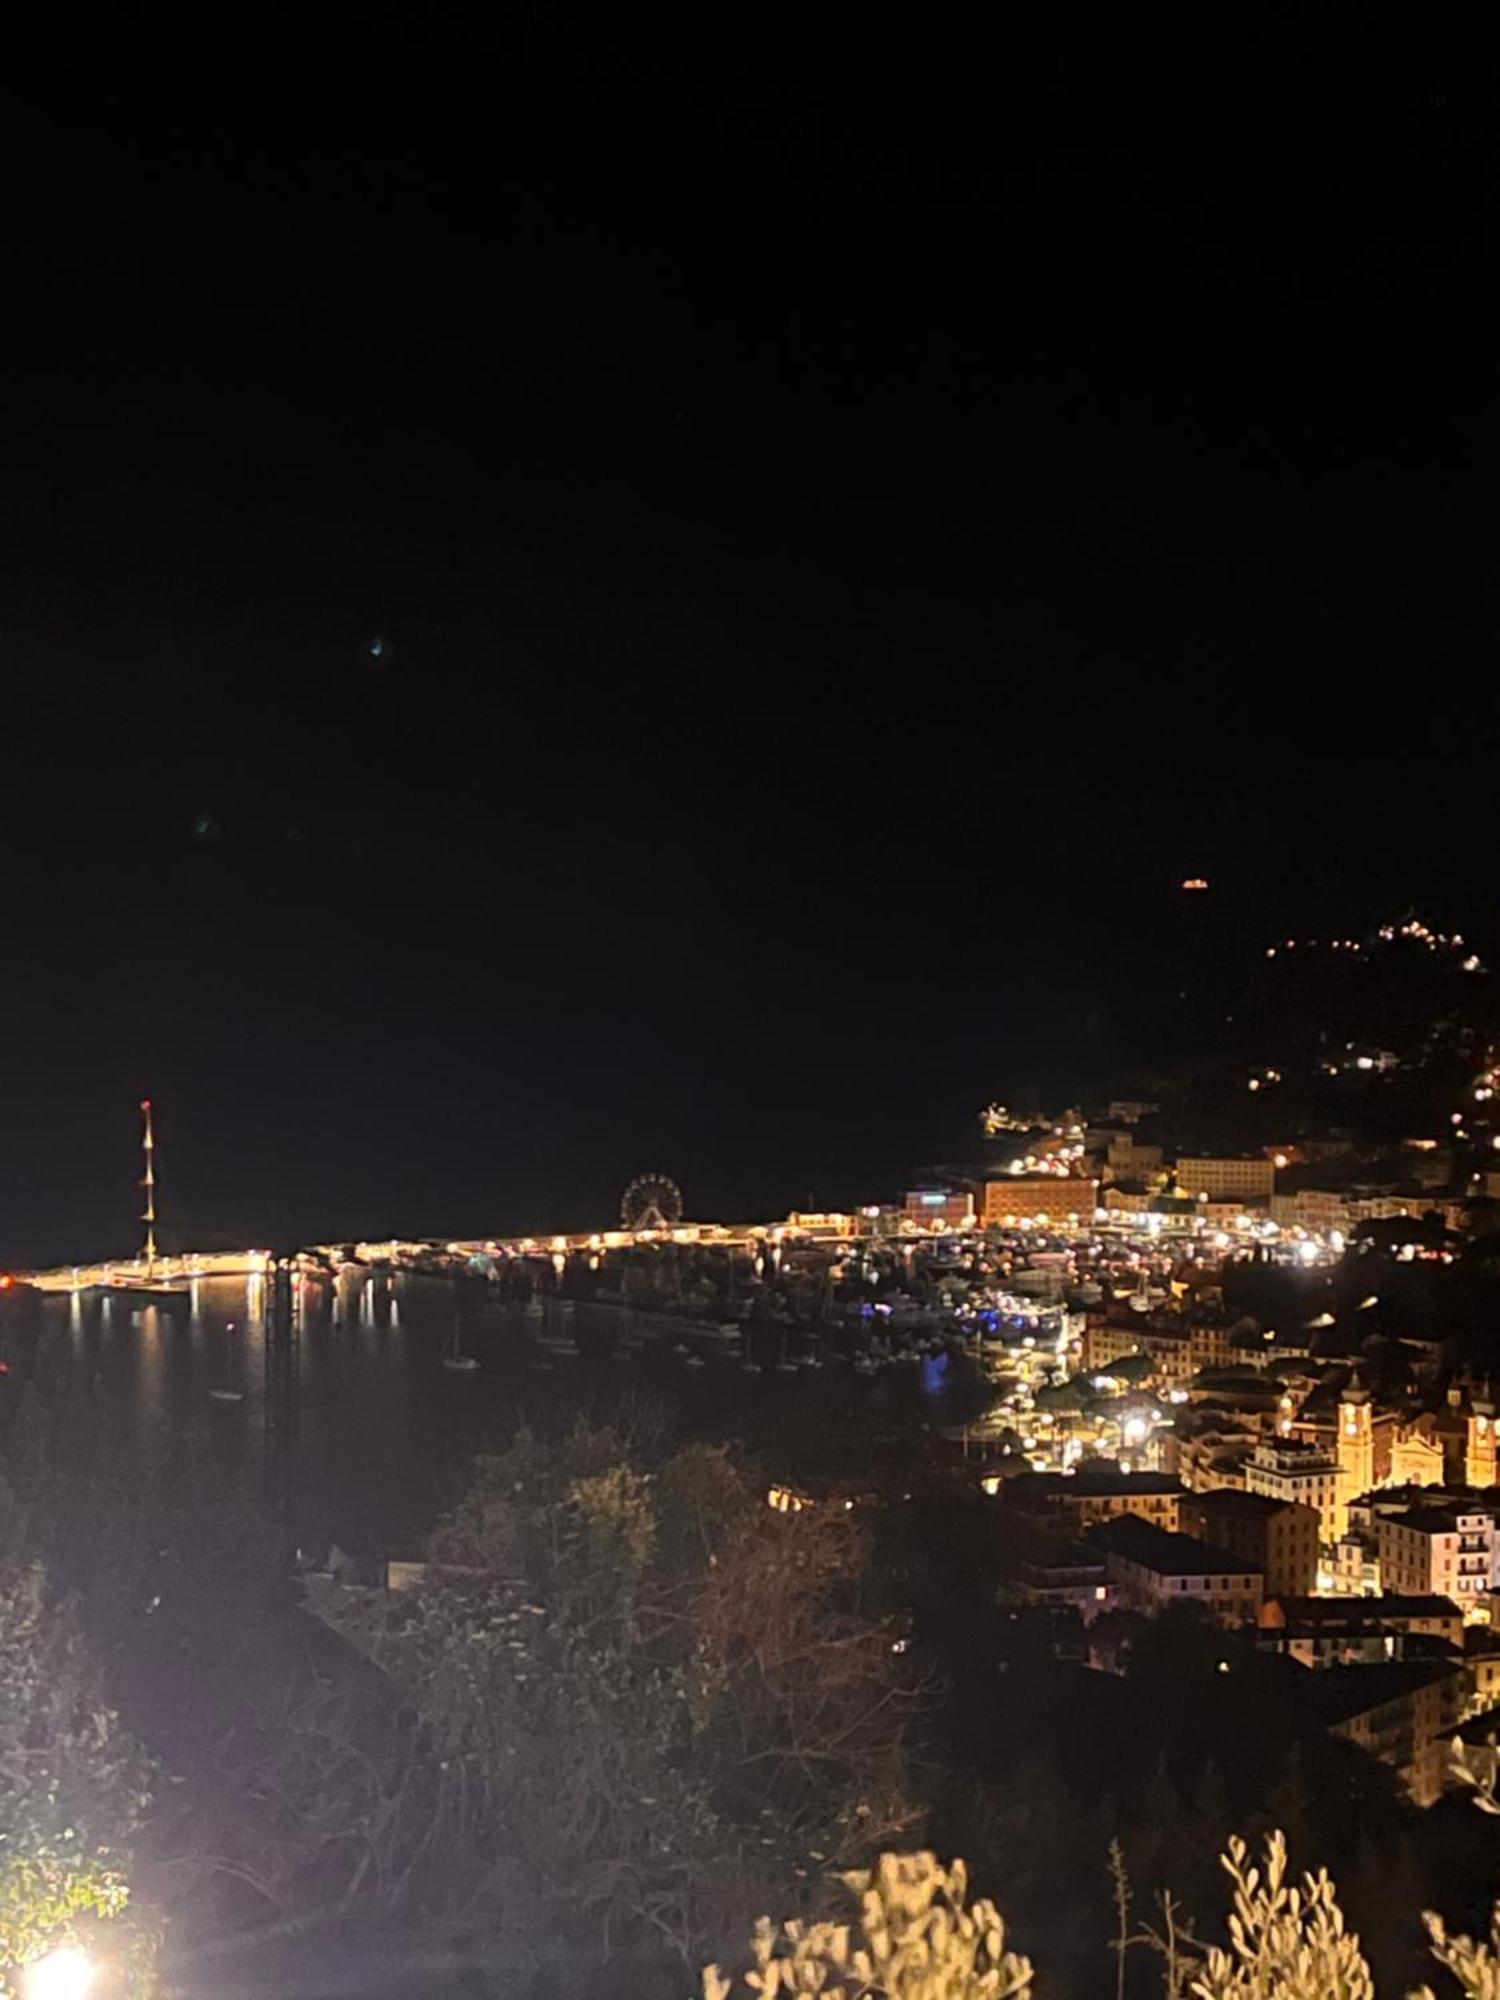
{"x": 380, "y": 1431}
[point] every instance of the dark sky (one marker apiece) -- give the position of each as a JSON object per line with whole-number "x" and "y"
{"x": 845, "y": 532}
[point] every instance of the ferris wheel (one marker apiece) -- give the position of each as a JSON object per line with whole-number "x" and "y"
{"x": 652, "y": 1201}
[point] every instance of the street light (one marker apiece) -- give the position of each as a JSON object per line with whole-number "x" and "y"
{"x": 64, "y": 1974}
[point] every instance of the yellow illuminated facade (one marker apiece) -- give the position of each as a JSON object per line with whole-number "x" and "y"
{"x": 1226, "y": 1179}
{"x": 1479, "y": 1446}
{"x": 1034, "y": 1197}
{"x": 1356, "y": 1449}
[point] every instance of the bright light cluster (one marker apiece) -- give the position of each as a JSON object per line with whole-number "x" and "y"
{"x": 1413, "y": 931}
{"x": 998, "y": 1118}
{"x": 1060, "y": 1163}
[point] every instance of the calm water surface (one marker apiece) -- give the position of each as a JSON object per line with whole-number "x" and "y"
{"x": 377, "y": 1432}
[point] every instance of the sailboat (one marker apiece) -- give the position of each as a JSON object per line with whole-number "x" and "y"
{"x": 453, "y": 1354}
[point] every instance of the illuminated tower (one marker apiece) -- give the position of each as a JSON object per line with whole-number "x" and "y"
{"x": 1479, "y": 1450}
{"x": 148, "y": 1182}
{"x": 1356, "y": 1447}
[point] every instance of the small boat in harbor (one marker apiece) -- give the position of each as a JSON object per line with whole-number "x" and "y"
{"x": 145, "y": 1291}
{"x": 223, "y": 1391}
{"x": 454, "y": 1358}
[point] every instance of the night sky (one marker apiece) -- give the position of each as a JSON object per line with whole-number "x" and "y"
{"x": 567, "y": 610}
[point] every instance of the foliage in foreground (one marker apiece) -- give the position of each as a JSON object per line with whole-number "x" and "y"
{"x": 643, "y": 1699}
{"x": 916, "y": 1938}
{"x": 73, "y": 1786}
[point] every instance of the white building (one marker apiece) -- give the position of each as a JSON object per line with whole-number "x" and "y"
{"x": 1289, "y": 1469}
{"x": 1438, "y": 1551}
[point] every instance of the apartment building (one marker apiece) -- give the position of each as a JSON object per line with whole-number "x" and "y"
{"x": 1438, "y": 1550}
{"x": 1152, "y": 1569}
{"x": 1280, "y": 1537}
{"x": 1292, "y": 1470}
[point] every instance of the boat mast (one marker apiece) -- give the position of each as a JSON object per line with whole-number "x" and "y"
{"x": 148, "y": 1150}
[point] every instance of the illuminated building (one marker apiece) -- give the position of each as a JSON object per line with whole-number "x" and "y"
{"x": 1321, "y": 1210}
{"x": 1033, "y": 1197}
{"x": 1404, "y": 1712}
{"x": 1098, "y": 1491}
{"x": 1353, "y": 1565}
{"x": 1210, "y": 1461}
{"x": 1071, "y": 1578}
{"x": 1356, "y": 1450}
{"x": 1153, "y": 1569}
{"x": 1318, "y": 1210}
{"x": 1179, "y": 1348}
{"x": 939, "y": 1207}
{"x": 1126, "y": 1160}
{"x": 829, "y": 1223}
{"x": 1292, "y": 1469}
{"x": 1279, "y": 1536}
{"x": 1226, "y": 1178}
{"x": 1479, "y": 1455}
{"x": 1450, "y": 1550}
{"x": 1417, "y": 1457}
{"x": 1482, "y": 1658}
{"x": 1127, "y": 1201}
{"x": 1323, "y": 1631}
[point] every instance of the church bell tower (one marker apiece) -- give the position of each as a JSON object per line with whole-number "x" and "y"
{"x": 1479, "y": 1448}
{"x": 1356, "y": 1447}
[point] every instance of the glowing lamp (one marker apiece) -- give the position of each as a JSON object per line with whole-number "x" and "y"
{"x": 64, "y": 1974}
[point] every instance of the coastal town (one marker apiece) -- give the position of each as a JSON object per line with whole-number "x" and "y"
{"x": 750, "y": 1239}
{"x": 1236, "y": 1388}
{"x": 1248, "y": 1389}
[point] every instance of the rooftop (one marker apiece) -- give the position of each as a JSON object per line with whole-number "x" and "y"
{"x": 1391, "y": 1500}
{"x": 1426, "y": 1520}
{"x": 1299, "y": 1451}
{"x": 1338, "y": 1694}
{"x": 1238, "y": 1505}
{"x": 1093, "y": 1476}
{"x": 1308, "y": 1612}
{"x": 1167, "y": 1554}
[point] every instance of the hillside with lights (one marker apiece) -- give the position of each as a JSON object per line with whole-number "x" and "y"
{"x": 1379, "y": 1038}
